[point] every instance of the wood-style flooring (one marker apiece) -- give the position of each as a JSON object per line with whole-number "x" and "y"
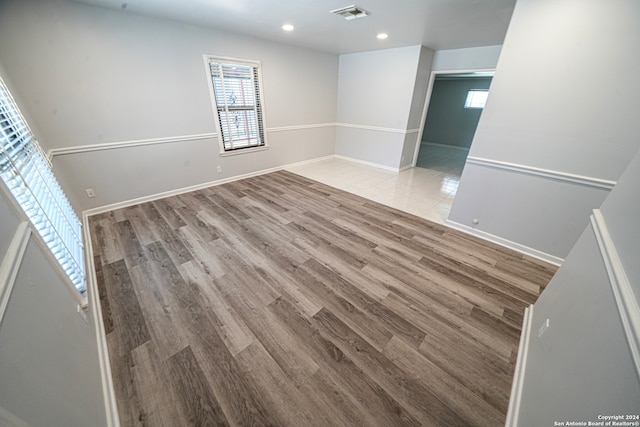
{"x": 277, "y": 300}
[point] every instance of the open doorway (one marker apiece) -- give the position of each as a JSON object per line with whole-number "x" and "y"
{"x": 453, "y": 111}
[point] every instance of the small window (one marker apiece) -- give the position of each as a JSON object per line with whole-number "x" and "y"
{"x": 237, "y": 100}
{"x": 476, "y": 98}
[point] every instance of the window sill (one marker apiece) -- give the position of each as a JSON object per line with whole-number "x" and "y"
{"x": 243, "y": 151}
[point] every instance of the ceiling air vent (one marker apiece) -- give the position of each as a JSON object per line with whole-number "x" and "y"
{"x": 351, "y": 12}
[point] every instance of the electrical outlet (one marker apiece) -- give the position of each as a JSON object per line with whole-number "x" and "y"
{"x": 219, "y": 169}
{"x": 90, "y": 193}
{"x": 543, "y": 327}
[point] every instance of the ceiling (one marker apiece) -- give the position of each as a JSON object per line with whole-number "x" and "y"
{"x": 438, "y": 24}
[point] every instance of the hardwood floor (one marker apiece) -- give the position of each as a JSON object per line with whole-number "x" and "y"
{"x": 277, "y": 300}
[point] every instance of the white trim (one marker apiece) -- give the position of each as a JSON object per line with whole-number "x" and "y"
{"x": 108, "y": 393}
{"x": 364, "y": 162}
{"x": 300, "y": 127}
{"x": 551, "y": 259}
{"x": 521, "y": 365}
{"x": 546, "y": 173}
{"x": 626, "y": 300}
{"x": 11, "y": 264}
{"x": 167, "y": 140}
{"x": 152, "y": 197}
{"x": 453, "y": 147}
{"x": 427, "y": 101}
{"x": 378, "y": 129}
{"x": 243, "y": 151}
{"x": 127, "y": 144}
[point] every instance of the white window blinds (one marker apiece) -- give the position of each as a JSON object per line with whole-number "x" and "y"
{"x": 237, "y": 101}
{"x": 26, "y": 172}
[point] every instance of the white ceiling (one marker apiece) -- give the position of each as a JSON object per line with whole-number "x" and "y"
{"x": 438, "y": 24}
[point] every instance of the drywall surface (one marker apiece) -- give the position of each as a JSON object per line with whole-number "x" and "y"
{"x": 621, "y": 211}
{"x": 375, "y": 88}
{"x": 584, "y": 356}
{"x": 48, "y": 354}
{"x": 448, "y": 121}
{"x": 475, "y": 58}
{"x": 95, "y": 76}
{"x": 380, "y": 100}
{"x": 550, "y": 108}
{"x": 581, "y": 366}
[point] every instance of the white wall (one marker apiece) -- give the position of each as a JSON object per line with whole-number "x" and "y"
{"x": 582, "y": 365}
{"x": 474, "y": 58}
{"x": 91, "y": 76}
{"x": 48, "y": 353}
{"x": 562, "y": 105}
{"x": 379, "y": 98}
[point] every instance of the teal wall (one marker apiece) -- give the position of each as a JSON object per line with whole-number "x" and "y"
{"x": 448, "y": 122}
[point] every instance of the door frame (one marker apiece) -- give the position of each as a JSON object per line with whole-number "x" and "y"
{"x": 425, "y": 108}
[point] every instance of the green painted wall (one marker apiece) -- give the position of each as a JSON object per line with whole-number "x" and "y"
{"x": 448, "y": 122}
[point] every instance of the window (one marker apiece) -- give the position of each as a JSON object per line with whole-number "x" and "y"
{"x": 27, "y": 174}
{"x": 476, "y": 98}
{"x": 237, "y": 100}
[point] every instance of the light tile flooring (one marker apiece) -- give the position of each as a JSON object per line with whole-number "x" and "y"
{"x": 423, "y": 192}
{"x": 442, "y": 158}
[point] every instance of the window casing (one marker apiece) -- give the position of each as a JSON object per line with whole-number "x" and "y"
{"x": 476, "y": 98}
{"x": 236, "y": 93}
{"x": 26, "y": 171}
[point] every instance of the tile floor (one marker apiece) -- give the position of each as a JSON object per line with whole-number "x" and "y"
{"x": 442, "y": 159}
{"x": 423, "y": 192}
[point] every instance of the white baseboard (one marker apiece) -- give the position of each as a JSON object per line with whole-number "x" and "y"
{"x": 169, "y": 193}
{"x": 453, "y": 147}
{"x": 366, "y": 163}
{"x": 551, "y": 259}
{"x": 95, "y": 311}
{"x": 521, "y": 364}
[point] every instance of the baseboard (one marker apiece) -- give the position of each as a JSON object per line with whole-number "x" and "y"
{"x": 108, "y": 392}
{"x": 169, "y": 193}
{"x": 521, "y": 364}
{"x": 626, "y": 300}
{"x": 551, "y": 259}
{"x": 453, "y": 147}
{"x": 366, "y": 163}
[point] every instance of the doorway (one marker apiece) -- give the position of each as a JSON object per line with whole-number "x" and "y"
{"x": 455, "y": 103}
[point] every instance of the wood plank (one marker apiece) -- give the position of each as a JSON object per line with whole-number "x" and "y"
{"x": 192, "y": 391}
{"x": 278, "y": 300}
{"x": 125, "y": 309}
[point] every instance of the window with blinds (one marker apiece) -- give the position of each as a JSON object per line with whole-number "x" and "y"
{"x": 27, "y": 174}
{"x": 237, "y": 100}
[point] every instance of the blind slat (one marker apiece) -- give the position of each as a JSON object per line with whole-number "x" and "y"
{"x": 236, "y": 96}
{"x": 26, "y": 172}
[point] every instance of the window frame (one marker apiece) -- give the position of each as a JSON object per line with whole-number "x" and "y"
{"x": 26, "y": 174}
{"x": 224, "y": 151}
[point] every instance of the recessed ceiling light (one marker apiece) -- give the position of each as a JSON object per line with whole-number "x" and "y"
{"x": 287, "y": 27}
{"x": 382, "y": 36}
